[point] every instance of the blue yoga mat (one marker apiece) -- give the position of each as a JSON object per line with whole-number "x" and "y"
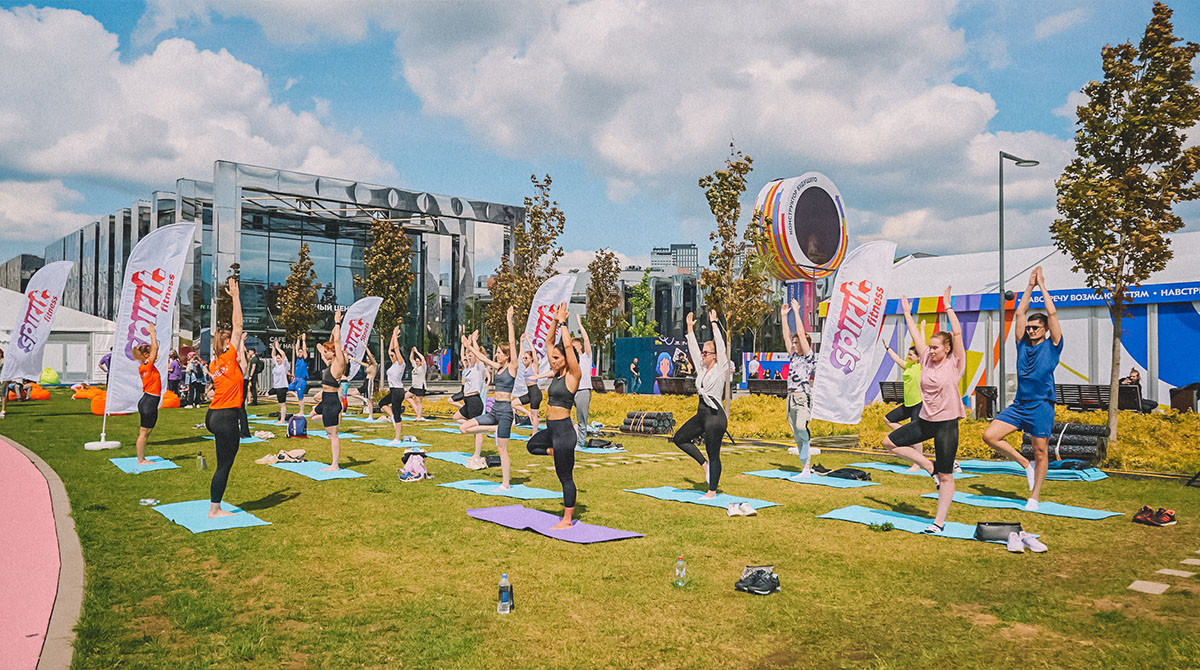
{"x": 488, "y": 487}
{"x": 815, "y": 479}
{"x": 193, "y": 515}
{"x": 385, "y": 442}
{"x": 456, "y": 457}
{"x": 452, "y": 431}
{"x": 244, "y": 440}
{"x": 905, "y": 522}
{"x": 1047, "y": 508}
{"x": 518, "y": 437}
{"x": 680, "y": 495}
{"x": 903, "y": 470}
{"x": 364, "y": 419}
{"x": 268, "y": 422}
{"x": 598, "y": 450}
{"x": 312, "y": 470}
{"x": 320, "y": 432}
{"x": 129, "y": 464}
{"x": 1011, "y": 468}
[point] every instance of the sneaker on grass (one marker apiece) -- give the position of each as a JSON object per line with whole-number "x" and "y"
{"x": 1144, "y": 516}
{"x": 1015, "y": 545}
{"x": 1163, "y": 517}
{"x": 1031, "y": 542}
{"x": 734, "y": 510}
{"x": 746, "y": 509}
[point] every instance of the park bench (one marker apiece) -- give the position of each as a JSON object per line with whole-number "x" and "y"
{"x": 598, "y": 385}
{"x": 1093, "y": 397}
{"x": 677, "y": 385}
{"x": 892, "y": 392}
{"x": 775, "y": 387}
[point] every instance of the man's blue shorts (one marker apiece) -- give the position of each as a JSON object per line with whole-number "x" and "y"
{"x": 298, "y": 385}
{"x": 1033, "y": 418}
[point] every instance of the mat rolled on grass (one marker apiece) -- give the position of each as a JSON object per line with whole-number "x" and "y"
{"x": 519, "y": 517}
{"x": 648, "y": 423}
{"x": 385, "y": 442}
{"x": 488, "y": 487}
{"x": 314, "y": 470}
{"x": 905, "y": 522}
{"x": 814, "y": 479}
{"x": 193, "y": 515}
{"x": 244, "y": 440}
{"x": 1044, "y": 507}
{"x": 721, "y": 500}
{"x": 903, "y": 470}
{"x": 1053, "y": 474}
{"x": 130, "y": 465}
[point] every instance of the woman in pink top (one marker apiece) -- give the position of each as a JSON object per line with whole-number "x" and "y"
{"x": 943, "y": 361}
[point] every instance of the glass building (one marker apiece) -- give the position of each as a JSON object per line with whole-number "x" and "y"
{"x": 255, "y": 219}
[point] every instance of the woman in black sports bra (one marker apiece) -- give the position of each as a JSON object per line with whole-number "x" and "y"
{"x": 330, "y": 406}
{"x": 500, "y": 419}
{"x": 558, "y": 438}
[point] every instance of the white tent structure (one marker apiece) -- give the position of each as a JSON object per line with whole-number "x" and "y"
{"x": 76, "y": 343}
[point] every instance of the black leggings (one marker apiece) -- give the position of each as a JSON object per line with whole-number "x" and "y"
{"x": 711, "y": 424}
{"x": 559, "y": 434}
{"x": 223, "y": 424}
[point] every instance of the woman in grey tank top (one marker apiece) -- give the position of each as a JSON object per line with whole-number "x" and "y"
{"x": 499, "y": 420}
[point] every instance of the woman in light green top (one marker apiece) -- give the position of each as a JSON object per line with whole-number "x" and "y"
{"x": 912, "y": 391}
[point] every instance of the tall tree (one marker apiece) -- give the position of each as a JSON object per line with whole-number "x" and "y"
{"x": 640, "y": 303}
{"x": 389, "y": 274}
{"x": 601, "y": 319}
{"x": 298, "y": 297}
{"x": 535, "y": 250}
{"x": 1116, "y": 199}
{"x": 740, "y": 294}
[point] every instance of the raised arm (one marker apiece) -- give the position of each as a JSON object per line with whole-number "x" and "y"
{"x": 414, "y": 357}
{"x": 587, "y": 341}
{"x": 243, "y": 360}
{"x": 1051, "y": 311}
{"x": 235, "y": 294}
{"x": 784, "y": 310}
{"x": 913, "y": 331}
{"x": 804, "y": 346}
{"x": 960, "y": 349}
{"x": 339, "y": 364}
{"x": 718, "y": 343}
{"x": 394, "y": 345}
{"x": 693, "y": 345}
{"x": 1023, "y": 306}
{"x": 153, "y": 344}
{"x": 573, "y": 372}
{"x": 514, "y": 356}
{"x": 481, "y": 355}
{"x": 895, "y": 357}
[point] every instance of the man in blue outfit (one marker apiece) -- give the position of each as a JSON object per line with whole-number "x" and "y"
{"x": 1039, "y": 346}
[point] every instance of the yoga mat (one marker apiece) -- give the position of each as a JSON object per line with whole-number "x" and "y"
{"x": 384, "y": 442}
{"x": 244, "y": 440}
{"x": 903, "y": 470}
{"x": 320, "y": 432}
{"x": 518, "y": 438}
{"x": 452, "y": 431}
{"x": 456, "y": 457}
{"x": 129, "y": 465}
{"x": 268, "y": 422}
{"x": 680, "y": 495}
{"x": 816, "y": 479}
{"x": 905, "y": 522}
{"x": 1047, "y": 508}
{"x": 519, "y": 517}
{"x": 312, "y": 470}
{"x": 488, "y": 487}
{"x": 364, "y": 419}
{"x": 193, "y": 515}
{"x": 598, "y": 450}
{"x": 452, "y": 424}
{"x": 1011, "y": 468}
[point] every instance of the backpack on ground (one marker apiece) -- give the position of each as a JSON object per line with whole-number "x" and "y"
{"x": 850, "y": 473}
{"x": 297, "y": 426}
{"x": 414, "y": 468}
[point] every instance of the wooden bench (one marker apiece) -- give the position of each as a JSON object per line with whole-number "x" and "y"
{"x": 775, "y": 387}
{"x": 892, "y": 392}
{"x": 598, "y": 385}
{"x": 1095, "y": 397}
{"x": 677, "y": 385}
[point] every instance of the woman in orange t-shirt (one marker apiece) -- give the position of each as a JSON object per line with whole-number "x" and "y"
{"x": 222, "y": 418}
{"x": 146, "y": 355}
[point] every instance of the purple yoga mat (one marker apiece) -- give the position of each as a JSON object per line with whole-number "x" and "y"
{"x": 520, "y": 517}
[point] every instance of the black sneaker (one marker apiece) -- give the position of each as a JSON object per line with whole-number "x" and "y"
{"x": 820, "y": 469}
{"x": 767, "y": 584}
{"x": 1144, "y": 516}
{"x": 746, "y": 583}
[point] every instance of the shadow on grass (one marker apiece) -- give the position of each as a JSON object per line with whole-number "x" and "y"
{"x": 901, "y": 507}
{"x": 270, "y": 500}
{"x": 196, "y": 439}
{"x": 354, "y": 462}
{"x": 985, "y": 490}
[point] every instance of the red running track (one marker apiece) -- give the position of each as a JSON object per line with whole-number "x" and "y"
{"x": 29, "y": 554}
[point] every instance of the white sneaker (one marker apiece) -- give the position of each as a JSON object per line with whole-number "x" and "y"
{"x": 1, "y": 415}
{"x": 1015, "y": 545}
{"x": 795, "y": 451}
{"x": 1033, "y": 543}
{"x": 933, "y": 529}
{"x": 1031, "y": 505}
{"x": 734, "y": 509}
{"x": 747, "y": 510}
{"x": 1030, "y": 474}
{"x": 957, "y": 468}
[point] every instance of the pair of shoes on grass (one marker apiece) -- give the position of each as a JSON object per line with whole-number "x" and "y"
{"x": 758, "y": 582}
{"x": 1160, "y": 517}
{"x": 1017, "y": 542}
{"x": 742, "y": 509}
{"x": 292, "y": 456}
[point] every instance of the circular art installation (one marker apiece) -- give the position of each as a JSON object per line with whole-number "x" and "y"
{"x": 806, "y": 221}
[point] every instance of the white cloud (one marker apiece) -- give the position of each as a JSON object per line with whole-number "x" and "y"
{"x": 164, "y": 115}
{"x": 1059, "y": 23}
{"x": 1074, "y": 99}
{"x": 38, "y": 210}
{"x": 579, "y": 259}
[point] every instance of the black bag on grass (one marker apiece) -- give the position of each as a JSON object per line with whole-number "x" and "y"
{"x": 850, "y": 473}
{"x": 995, "y": 530}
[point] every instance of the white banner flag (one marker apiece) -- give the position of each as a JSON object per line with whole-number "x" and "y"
{"x": 549, "y": 296}
{"x": 356, "y": 329}
{"x": 43, "y": 297}
{"x": 147, "y": 296}
{"x": 846, "y": 363}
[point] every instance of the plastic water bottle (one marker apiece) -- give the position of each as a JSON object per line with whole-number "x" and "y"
{"x": 506, "y": 596}
{"x": 680, "y": 572}
{"x": 200, "y": 462}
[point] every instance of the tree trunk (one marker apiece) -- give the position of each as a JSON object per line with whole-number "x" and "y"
{"x": 1115, "y": 376}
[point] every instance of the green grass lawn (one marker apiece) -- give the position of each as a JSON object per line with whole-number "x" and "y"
{"x": 374, "y": 573}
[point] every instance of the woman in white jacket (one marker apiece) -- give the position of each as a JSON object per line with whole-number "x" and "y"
{"x": 709, "y": 422}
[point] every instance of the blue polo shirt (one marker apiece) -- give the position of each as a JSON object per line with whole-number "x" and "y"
{"x": 302, "y": 368}
{"x": 1035, "y": 369}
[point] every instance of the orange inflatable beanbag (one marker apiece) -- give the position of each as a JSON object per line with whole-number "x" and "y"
{"x": 98, "y": 400}
{"x": 39, "y": 393}
{"x": 87, "y": 393}
{"x": 170, "y": 399}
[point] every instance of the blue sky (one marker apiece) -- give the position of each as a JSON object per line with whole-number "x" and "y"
{"x": 625, "y": 104}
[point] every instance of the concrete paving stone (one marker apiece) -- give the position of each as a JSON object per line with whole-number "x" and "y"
{"x": 1176, "y": 573}
{"x": 1154, "y": 588}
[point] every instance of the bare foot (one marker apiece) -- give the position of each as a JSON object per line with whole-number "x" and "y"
{"x": 218, "y": 513}
{"x": 331, "y": 468}
{"x": 502, "y": 487}
{"x": 709, "y": 496}
{"x": 561, "y": 525}
{"x": 142, "y": 461}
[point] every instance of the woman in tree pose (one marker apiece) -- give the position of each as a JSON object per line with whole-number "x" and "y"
{"x": 912, "y": 392}
{"x": 146, "y": 355}
{"x": 279, "y": 379}
{"x": 709, "y": 421}
{"x": 583, "y": 397}
{"x": 473, "y": 377}
{"x": 222, "y": 417}
{"x": 500, "y": 419}
{"x": 366, "y": 389}
{"x": 395, "y": 380}
{"x": 558, "y": 438}
{"x": 943, "y": 362}
{"x": 300, "y": 377}
{"x": 416, "y": 391}
{"x": 530, "y": 399}
{"x": 799, "y": 383}
{"x": 330, "y": 407}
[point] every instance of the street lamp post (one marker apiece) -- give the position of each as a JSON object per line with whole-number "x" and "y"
{"x": 1000, "y": 379}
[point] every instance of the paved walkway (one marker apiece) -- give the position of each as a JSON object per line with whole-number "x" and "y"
{"x": 34, "y": 514}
